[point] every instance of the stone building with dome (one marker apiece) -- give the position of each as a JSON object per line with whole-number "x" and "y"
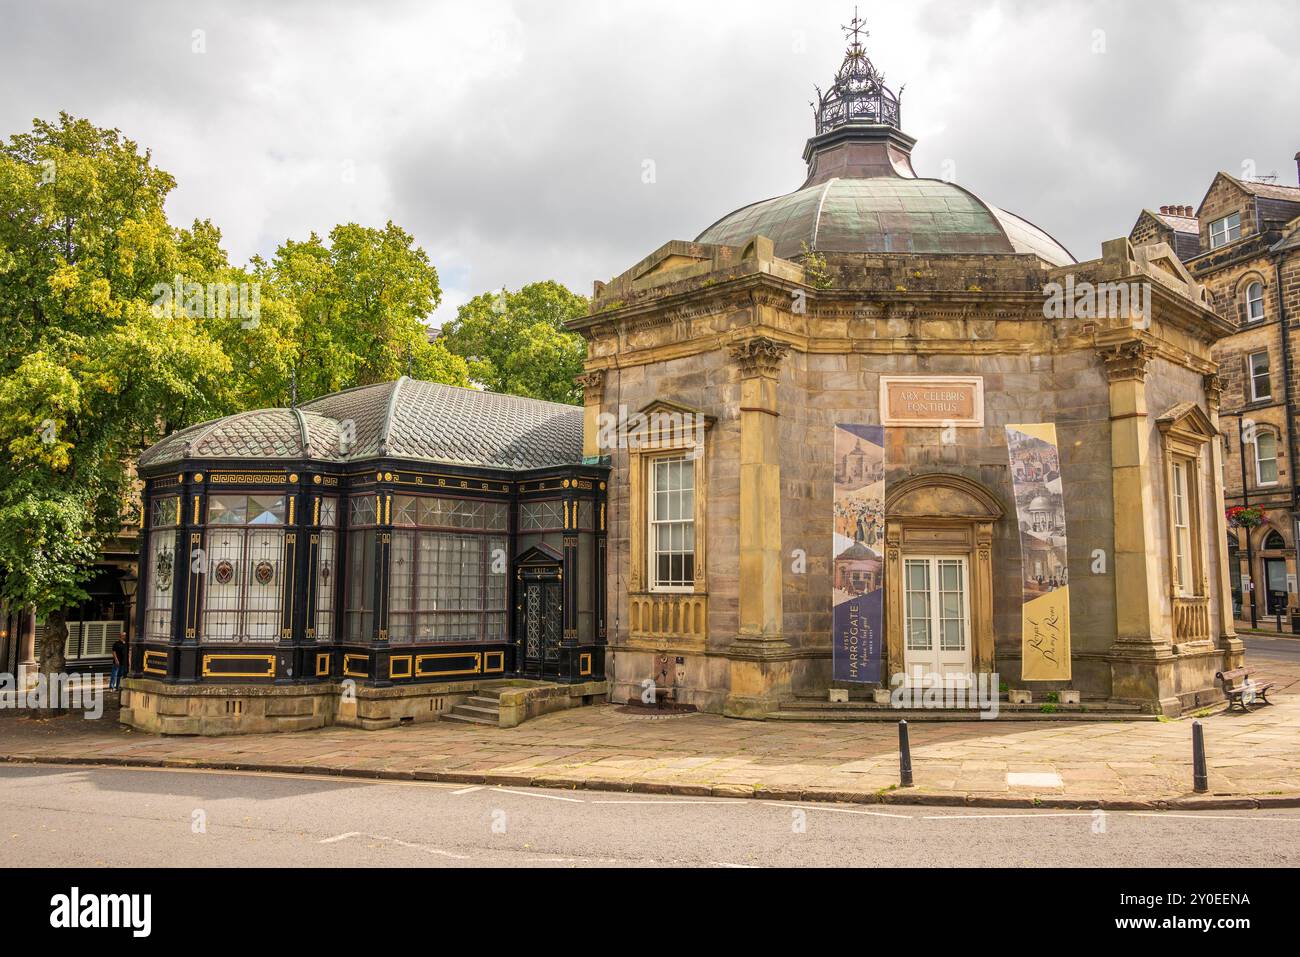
{"x": 1029, "y": 491}
{"x": 876, "y": 298}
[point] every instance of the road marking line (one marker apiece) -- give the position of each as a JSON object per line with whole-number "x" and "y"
{"x": 992, "y": 817}
{"x": 839, "y": 810}
{"x": 425, "y": 848}
{"x": 748, "y": 867}
{"x": 341, "y": 837}
{"x": 1248, "y": 816}
{"x": 549, "y": 797}
{"x": 469, "y": 790}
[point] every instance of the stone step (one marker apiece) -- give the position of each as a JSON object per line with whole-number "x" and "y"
{"x": 474, "y": 711}
{"x": 483, "y": 701}
{"x": 469, "y": 719}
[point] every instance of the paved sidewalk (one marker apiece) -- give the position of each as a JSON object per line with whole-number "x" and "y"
{"x": 1254, "y": 759}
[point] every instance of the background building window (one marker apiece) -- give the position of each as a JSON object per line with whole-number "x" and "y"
{"x": 672, "y": 523}
{"x": 1261, "y": 386}
{"x": 244, "y": 550}
{"x": 1255, "y": 302}
{"x": 1225, "y": 230}
{"x": 1265, "y": 458}
{"x": 162, "y": 567}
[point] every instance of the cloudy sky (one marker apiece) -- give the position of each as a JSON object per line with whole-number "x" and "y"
{"x": 513, "y": 138}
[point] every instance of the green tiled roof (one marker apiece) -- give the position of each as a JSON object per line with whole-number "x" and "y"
{"x": 407, "y": 419}
{"x": 885, "y": 214}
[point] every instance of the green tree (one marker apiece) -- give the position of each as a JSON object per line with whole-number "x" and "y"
{"x": 89, "y": 370}
{"x": 117, "y": 328}
{"x": 516, "y": 342}
{"x": 354, "y": 311}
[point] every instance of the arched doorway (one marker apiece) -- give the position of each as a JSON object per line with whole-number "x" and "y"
{"x": 939, "y": 578}
{"x": 1274, "y": 572}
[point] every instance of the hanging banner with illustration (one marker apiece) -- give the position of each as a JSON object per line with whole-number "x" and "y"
{"x": 1040, "y": 510}
{"x": 858, "y": 635}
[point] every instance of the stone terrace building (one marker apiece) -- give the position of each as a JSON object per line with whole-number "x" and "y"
{"x": 780, "y": 321}
{"x": 1243, "y": 244}
{"x": 404, "y": 551}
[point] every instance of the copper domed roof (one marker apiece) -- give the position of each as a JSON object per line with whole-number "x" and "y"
{"x": 862, "y": 195}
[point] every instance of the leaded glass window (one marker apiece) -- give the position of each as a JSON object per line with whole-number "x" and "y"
{"x": 541, "y": 516}
{"x": 243, "y": 561}
{"x": 326, "y": 571}
{"x": 445, "y": 587}
{"x": 162, "y": 568}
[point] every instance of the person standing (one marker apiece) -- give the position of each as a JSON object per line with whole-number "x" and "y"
{"x": 119, "y": 665}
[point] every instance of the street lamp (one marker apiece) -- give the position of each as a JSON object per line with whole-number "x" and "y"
{"x": 129, "y": 585}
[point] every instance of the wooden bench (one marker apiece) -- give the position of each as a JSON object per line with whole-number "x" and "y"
{"x": 1237, "y": 683}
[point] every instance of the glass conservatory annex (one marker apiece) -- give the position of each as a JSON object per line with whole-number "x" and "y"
{"x": 371, "y": 557}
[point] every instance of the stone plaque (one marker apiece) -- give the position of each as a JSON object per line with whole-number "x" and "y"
{"x": 938, "y": 401}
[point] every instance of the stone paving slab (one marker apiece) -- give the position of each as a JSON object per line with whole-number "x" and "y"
{"x": 1254, "y": 759}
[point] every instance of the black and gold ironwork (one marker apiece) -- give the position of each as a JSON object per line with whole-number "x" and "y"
{"x": 859, "y": 93}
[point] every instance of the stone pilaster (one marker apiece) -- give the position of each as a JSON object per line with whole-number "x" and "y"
{"x": 1219, "y": 526}
{"x": 1144, "y": 640}
{"x": 760, "y": 665}
{"x": 593, "y": 395}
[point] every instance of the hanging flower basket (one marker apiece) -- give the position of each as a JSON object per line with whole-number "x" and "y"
{"x": 1246, "y": 516}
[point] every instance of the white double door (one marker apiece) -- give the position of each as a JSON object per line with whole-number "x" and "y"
{"x": 936, "y": 619}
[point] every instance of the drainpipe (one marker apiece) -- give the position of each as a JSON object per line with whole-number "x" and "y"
{"x": 1245, "y": 501}
{"x": 1289, "y": 411}
{"x": 1246, "y": 593}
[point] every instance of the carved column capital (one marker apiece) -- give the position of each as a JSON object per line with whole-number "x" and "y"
{"x": 1213, "y": 389}
{"x": 1128, "y": 361}
{"x": 592, "y": 384}
{"x": 759, "y": 356}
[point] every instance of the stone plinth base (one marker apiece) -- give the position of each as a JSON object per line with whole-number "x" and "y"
{"x": 1172, "y": 682}
{"x": 211, "y": 710}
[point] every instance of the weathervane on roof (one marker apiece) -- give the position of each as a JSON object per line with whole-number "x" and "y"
{"x": 854, "y": 29}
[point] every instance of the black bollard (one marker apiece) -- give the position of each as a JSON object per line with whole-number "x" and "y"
{"x": 904, "y": 756}
{"x": 1200, "y": 776}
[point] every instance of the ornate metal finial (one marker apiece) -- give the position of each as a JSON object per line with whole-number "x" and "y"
{"x": 859, "y": 94}
{"x": 293, "y": 387}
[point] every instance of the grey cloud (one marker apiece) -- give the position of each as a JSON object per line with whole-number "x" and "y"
{"x": 510, "y": 137}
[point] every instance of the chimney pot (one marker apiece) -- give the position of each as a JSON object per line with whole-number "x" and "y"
{"x": 1297, "y": 165}
{"x": 1164, "y": 210}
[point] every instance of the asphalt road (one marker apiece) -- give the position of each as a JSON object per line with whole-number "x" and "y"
{"x": 1259, "y": 648}
{"x": 91, "y": 817}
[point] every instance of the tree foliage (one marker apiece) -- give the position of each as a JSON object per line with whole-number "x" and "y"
{"x": 516, "y": 342}
{"x": 115, "y": 330}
